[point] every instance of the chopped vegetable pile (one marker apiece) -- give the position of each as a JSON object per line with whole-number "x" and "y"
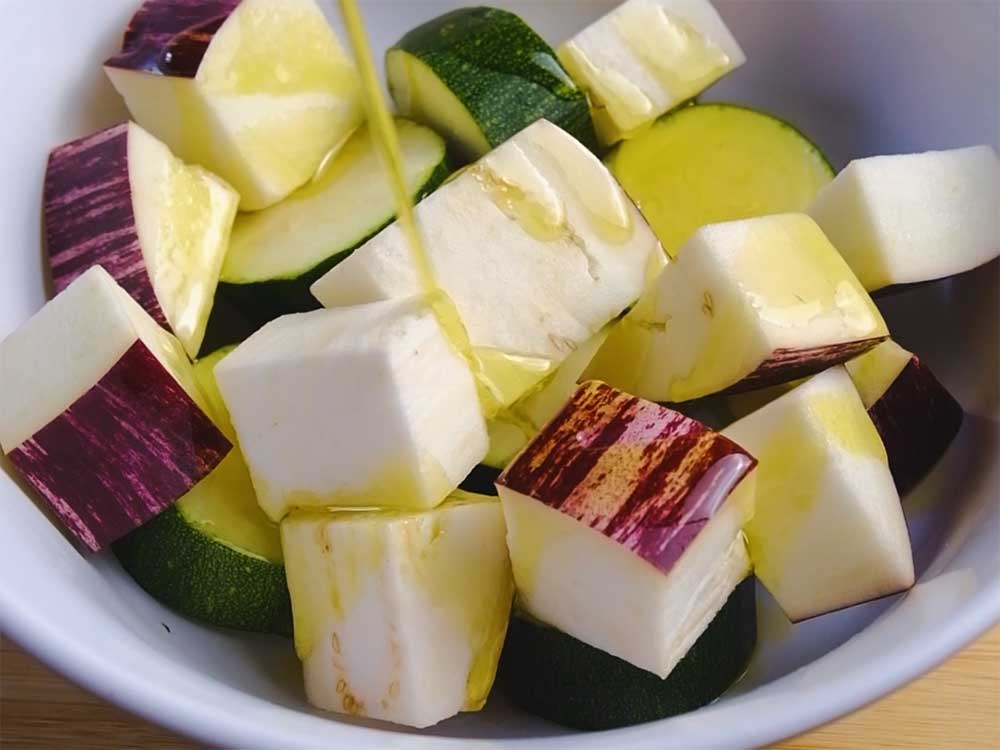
{"x": 270, "y": 399}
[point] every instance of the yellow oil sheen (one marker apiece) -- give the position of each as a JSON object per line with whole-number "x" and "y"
{"x": 673, "y": 53}
{"x": 591, "y": 183}
{"x": 683, "y": 60}
{"x": 454, "y": 579}
{"x": 498, "y": 375}
{"x": 223, "y": 505}
{"x": 522, "y": 195}
{"x": 792, "y": 274}
{"x": 451, "y": 574}
{"x": 510, "y": 376}
{"x": 792, "y": 465}
{"x": 247, "y": 56}
{"x": 791, "y": 277}
{"x": 204, "y": 375}
{"x": 846, "y": 425}
{"x": 619, "y": 106}
{"x": 185, "y": 265}
{"x": 877, "y": 369}
{"x": 789, "y": 475}
{"x": 395, "y": 484}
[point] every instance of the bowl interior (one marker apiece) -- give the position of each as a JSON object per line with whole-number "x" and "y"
{"x": 859, "y": 78}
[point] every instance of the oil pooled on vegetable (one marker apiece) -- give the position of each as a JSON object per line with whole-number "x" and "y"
{"x": 499, "y": 376}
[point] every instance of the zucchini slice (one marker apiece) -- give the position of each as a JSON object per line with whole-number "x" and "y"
{"x": 480, "y": 75}
{"x": 709, "y": 163}
{"x": 194, "y": 572}
{"x": 276, "y": 254}
{"x": 553, "y": 675}
{"x": 214, "y": 556}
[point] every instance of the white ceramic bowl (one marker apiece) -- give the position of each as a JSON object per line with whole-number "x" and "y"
{"x": 861, "y": 78}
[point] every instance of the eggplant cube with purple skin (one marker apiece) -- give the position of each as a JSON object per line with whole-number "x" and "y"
{"x": 363, "y": 406}
{"x": 258, "y": 91}
{"x": 119, "y": 199}
{"x": 744, "y": 305}
{"x": 624, "y": 524}
{"x": 100, "y": 411}
{"x": 828, "y": 531}
{"x": 915, "y": 415}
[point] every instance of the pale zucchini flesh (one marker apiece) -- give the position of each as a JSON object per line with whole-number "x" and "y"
{"x": 276, "y": 254}
{"x": 707, "y": 163}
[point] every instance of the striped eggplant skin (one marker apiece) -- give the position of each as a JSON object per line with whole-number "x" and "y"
{"x": 785, "y": 365}
{"x": 917, "y": 419}
{"x": 89, "y": 218}
{"x": 641, "y": 474}
{"x": 170, "y": 37}
{"x": 121, "y": 453}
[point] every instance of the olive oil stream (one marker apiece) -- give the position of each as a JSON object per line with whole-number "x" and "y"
{"x": 387, "y": 140}
{"x": 497, "y": 374}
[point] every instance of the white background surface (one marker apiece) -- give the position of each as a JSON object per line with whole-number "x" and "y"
{"x": 858, "y": 77}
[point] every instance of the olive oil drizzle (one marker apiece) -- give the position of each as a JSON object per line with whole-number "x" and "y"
{"x": 387, "y": 141}
{"x": 494, "y": 380}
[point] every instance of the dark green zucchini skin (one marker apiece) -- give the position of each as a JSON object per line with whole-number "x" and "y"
{"x": 555, "y": 676}
{"x": 502, "y": 71}
{"x": 240, "y": 310}
{"x": 201, "y": 578}
{"x": 481, "y": 480}
{"x": 226, "y": 326}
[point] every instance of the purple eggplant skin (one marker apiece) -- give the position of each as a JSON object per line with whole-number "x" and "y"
{"x": 123, "y": 452}
{"x": 785, "y": 365}
{"x": 170, "y": 37}
{"x": 917, "y": 419}
{"x": 668, "y": 474}
{"x": 89, "y": 220}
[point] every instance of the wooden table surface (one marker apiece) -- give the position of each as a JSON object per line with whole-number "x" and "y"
{"x": 956, "y": 706}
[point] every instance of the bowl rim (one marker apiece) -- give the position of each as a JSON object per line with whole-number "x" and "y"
{"x": 190, "y": 717}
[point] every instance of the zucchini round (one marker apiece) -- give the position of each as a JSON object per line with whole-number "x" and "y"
{"x": 203, "y": 578}
{"x": 707, "y": 163}
{"x": 276, "y": 254}
{"x": 555, "y": 676}
{"x": 214, "y": 556}
{"x": 480, "y": 75}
